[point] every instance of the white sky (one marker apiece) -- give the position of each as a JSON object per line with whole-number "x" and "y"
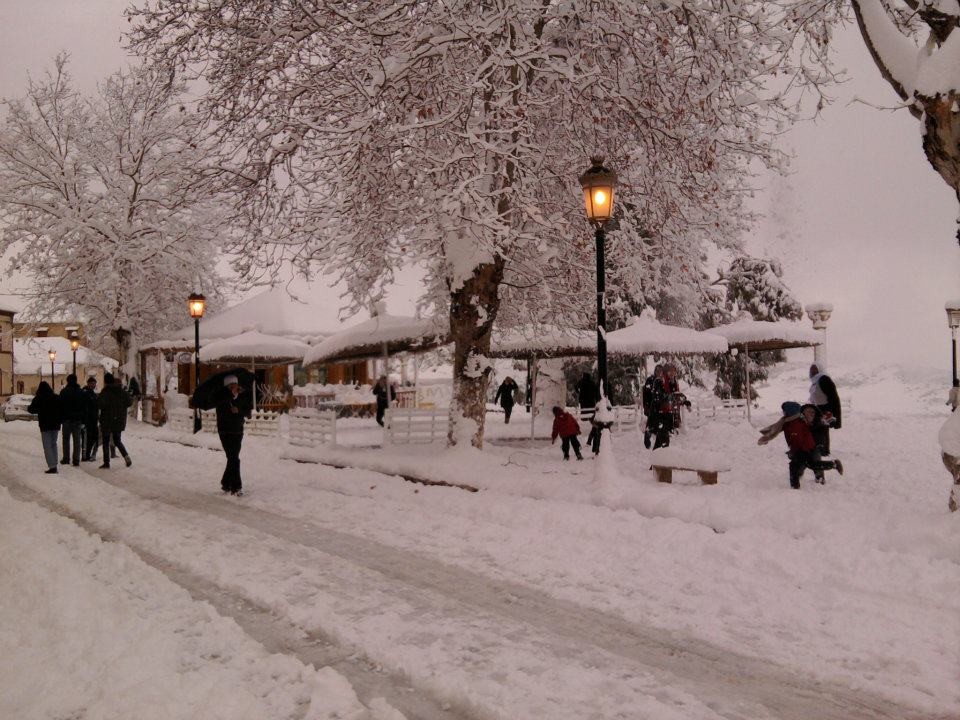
{"x": 864, "y": 222}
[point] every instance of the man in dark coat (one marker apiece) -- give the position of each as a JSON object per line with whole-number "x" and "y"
{"x": 506, "y": 396}
{"x": 46, "y": 406}
{"x": 650, "y": 410}
{"x": 588, "y": 396}
{"x": 73, "y": 411}
{"x": 384, "y": 393}
{"x": 823, "y": 396}
{"x": 233, "y": 406}
{"x": 113, "y": 403}
{"x": 91, "y": 417}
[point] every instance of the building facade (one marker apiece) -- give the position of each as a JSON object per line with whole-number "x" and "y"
{"x": 7, "y": 387}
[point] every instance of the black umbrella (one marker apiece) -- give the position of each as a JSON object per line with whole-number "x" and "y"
{"x": 205, "y": 396}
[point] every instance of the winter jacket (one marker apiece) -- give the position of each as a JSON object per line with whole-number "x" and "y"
{"x": 564, "y": 425}
{"x": 587, "y": 393}
{"x": 798, "y": 435}
{"x": 823, "y": 394}
{"x": 91, "y": 410}
{"x": 133, "y": 388}
{"x": 505, "y": 393}
{"x": 648, "y": 390}
{"x": 231, "y": 411}
{"x": 113, "y": 403}
{"x": 46, "y": 406}
{"x": 72, "y": 404}
{"x": 381, "y": 392}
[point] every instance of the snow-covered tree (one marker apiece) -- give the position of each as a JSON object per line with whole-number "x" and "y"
{"x": 367, "y": 134}
{"x": 916, "y": 46}
{"x": 100, "y": 202}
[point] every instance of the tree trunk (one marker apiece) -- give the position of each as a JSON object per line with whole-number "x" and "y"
{"x": 473, "y": 308}
{"x": 122, "y": 337}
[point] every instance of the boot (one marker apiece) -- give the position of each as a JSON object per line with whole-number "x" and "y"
{"x": 127, "y": 460}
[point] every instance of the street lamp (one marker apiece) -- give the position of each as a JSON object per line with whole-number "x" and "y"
{"x": 74, "y": 344}
{"x": 953, "y": 320}
{"x": 598, "y": 184}
{"x": 52, "y": 354}
{"x": 196, "y": 304}
{"x": 819, "y": 314}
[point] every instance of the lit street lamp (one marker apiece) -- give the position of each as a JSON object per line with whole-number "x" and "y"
{"x": 598, "y": 184}
{"x": 819, "y": 314}
{"x": 196, "y": 303}
{"x": 74, "y": 344}
{"x": 52, "y": 354}
{"x": 953, "y": 320}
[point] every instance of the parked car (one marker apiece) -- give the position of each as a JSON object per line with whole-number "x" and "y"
{"x": 16, "y": 408}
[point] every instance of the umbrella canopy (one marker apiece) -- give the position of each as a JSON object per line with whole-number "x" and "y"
{"x": 760, "y": 335}
{"x": 254, "y": 346}
{"x": 546, "y": 341}
{"x": 646, "y": 335}
{"x": 204, "y": 397}
{"x": 380, "y": 335}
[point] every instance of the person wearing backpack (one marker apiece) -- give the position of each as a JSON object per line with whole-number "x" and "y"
{"x": 113, "y": 403}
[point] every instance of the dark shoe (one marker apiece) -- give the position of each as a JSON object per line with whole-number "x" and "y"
{"x": 127, "y": 460}
{"x": 238, "y": 493}
{"x": 820, "y": 479}
{"x": 579, "y": 457}
{"x": 86, "y": 459}
{"x": 51, "y": 471}
{"x": 795, "y": 487}
{"x": 65, "y": 461}
{"x": 838, "y": 466}
{"x": 105, "y": 466}
{"x": 566, "y": 457}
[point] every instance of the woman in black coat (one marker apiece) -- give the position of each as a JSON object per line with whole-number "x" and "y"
{"x": 46, "y": 406}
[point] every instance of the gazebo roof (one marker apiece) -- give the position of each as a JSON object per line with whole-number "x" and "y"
{"x": 646, "y": 335}
{"x": 547, "y": 341}
{"x": 254, "y": 346}
{"x": 759, "y": 335}
{"x": 393, "y": 333}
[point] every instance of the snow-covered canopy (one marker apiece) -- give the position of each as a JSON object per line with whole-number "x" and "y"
{"x": 543, "y": 342}
{"x": 765, "y": 335}
{"x": 302, "y": 312}
{"x": 32, "y": 353}
{"x": 646, "y": 335}
{"x": 254, "y": 346}
{"x": 393, "y": 333}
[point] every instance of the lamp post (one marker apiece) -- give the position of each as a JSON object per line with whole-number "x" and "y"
{"x": 74, "y": 344}
{"x": 598, "y": 184}
{"x": 953, "y": 320}
{"x": 52, "y": 354}
{"x": 819, "y": 314}
{"x": 196, "y": 304}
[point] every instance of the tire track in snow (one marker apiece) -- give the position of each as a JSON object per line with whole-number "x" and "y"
{"x": 276, "y": 634}
{"x": 722, "y": 678}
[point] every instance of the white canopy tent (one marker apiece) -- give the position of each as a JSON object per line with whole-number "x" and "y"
{"x": 763, "y": 335}
{"x": 381, "y": 335}
{"x": 644, "y": 335}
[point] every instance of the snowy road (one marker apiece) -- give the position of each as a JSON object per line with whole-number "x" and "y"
{"x": 391, "y": 619}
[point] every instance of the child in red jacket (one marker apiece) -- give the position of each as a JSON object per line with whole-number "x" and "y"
{"x": 797, "y": 427}
{"x": 566, "y": 426}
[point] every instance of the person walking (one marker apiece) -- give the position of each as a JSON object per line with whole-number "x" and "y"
{"x": 113, "y": 403}
{"x": 91, "y": 416}
{"x": 46, "y": 406}
{"x": 650, "y": 409}
{"x": 823, "y": 396}
{"x": 233, "y": 406}
{"x": 953, "y": 399}
{"x": 797, "y": 425}
{"x": 506, "y": 396}
{"x": 588, "y": 395}
{"x": 384, "y": 394}
{"x": 133, "y": 389}
{"x": 72, "y": 412}
{"x": 566, "y": 427}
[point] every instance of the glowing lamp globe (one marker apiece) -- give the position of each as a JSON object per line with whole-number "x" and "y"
{"x": 196, "y": 303}
{"x": 598, "y": 184}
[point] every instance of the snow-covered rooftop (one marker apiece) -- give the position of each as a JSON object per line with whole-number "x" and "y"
{"x": 29, "y": 354}
{"x": 765, "y": 335}
{"x": 367, "y": 339}
{"x": 646, "y": 335}
{"x": 256, "y": 346}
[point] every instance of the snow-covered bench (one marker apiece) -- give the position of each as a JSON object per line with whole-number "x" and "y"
{"x": 706, "y": 465}
{"x": 310, "y": 427}
{"x": 415, "y": 425}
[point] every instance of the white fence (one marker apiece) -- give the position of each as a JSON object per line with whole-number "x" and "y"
{"x": 311, "y": 427}
{"x": 409, "y": 425}
{"x": 262, "y": 422}
{"x": 627, "y": 418}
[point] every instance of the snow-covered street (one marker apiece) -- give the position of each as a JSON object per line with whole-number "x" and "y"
{"x": 743, "y": 600}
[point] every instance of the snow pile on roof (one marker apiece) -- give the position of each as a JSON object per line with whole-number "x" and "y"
{"x": 543, "y": 341}
{"x": 399, "y": 333}
{"x": 29, "y": 354}
{"x": 254, "y": 345}
{"x": 762, "y": 332}
{"x": 646, "y": 335}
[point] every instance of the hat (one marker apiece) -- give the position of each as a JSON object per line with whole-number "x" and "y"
{"x": 230, "y": 380}
{"x": 790, "y": 408}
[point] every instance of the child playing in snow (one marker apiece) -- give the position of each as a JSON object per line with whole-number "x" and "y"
{"x": 566, "y": 426}
{"x": 797, "y": 427}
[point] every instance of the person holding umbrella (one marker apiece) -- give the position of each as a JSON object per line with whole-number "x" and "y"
{"x": 233, "y": 407}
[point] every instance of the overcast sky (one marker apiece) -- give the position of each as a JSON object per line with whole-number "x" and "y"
{"x": 863, "y": 223}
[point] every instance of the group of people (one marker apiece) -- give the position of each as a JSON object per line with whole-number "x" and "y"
{"x": 806, "y": 429}
{"x": 662, "y": 404}
{"x": 85, "y": 419}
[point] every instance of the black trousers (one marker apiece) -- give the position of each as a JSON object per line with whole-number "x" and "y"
{"x": 381, "y": 409}
{"x": 821, "y": 433}
{"x": 71, "y": 431}
{"x": 507, "y": 410}
{"x": 92, "y": 441}
{"x": 109, "y": 437}
{"x": 662, "y": 429}
{"x": 801, "y": 460}
{"x": 230, "y": 482}
{"x": 565, "y": 444}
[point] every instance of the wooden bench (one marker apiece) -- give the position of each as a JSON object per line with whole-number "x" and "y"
{"x": 706, "y": 465}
